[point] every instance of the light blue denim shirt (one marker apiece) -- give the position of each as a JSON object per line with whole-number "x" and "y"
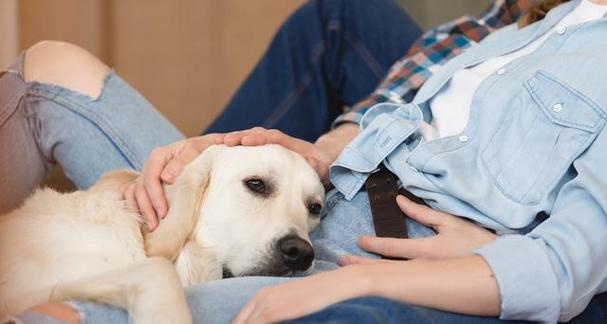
{"x": 530, "y": 164}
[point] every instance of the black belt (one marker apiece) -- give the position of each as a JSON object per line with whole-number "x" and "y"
{"x": 388, "y": 219}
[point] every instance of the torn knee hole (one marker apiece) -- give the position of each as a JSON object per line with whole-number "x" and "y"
{"x": 65, "y": 65}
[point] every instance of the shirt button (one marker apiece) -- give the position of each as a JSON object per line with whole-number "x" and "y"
{"x": 561, "y": 30}
{"x": 463, "y": 139}
{"x": 557, "y": 108}
{"x": 501, "y": 71}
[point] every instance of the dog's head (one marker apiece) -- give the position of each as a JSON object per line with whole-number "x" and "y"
{"x": 254, "y": 208}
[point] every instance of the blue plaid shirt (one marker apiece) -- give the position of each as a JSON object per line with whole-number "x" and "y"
{"x": 434, "y": 49}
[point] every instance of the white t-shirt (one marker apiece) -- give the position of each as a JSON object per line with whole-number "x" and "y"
{"x": 451, "y": 106}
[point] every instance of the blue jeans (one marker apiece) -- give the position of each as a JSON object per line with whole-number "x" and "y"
{"x": 328, "y": 55}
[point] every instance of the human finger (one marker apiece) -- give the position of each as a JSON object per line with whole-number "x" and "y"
{"x": 394, "y": 247}
{"x": 235, "y": 138}
{"x": 420, "y": 213}
{"x": 346, "y": 260}
{"x": 145, "y": 208}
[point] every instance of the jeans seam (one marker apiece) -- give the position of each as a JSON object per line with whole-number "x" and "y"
{"x": 6, "y": 112}
{"x": 52, "y": 94}
{"x": 5, "y": 115}
{"x": 364, "y": 53}
{"x": 282, "y": 108}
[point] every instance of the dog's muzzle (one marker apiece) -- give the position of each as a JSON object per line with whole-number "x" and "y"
{"x": 296, "y": 253}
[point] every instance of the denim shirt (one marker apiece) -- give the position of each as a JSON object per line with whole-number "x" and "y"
{"x": 530, "y": 164}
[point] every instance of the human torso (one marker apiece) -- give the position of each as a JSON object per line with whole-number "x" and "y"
{"x": 526, "y": 127}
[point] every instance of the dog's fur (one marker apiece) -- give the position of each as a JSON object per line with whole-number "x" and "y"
{"x": 86, "y": 245}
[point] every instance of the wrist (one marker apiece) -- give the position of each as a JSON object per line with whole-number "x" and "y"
{"x": 333, "y": 142}
{"x": 363, "y": 280}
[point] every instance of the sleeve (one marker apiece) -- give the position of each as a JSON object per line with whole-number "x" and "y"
{"x": 552, "y": 273}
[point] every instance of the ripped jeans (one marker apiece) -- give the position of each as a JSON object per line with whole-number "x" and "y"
{"x": 336, "y": 67}
{"x": 42, "y": 125}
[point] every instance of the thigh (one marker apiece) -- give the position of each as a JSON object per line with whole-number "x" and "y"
{"x": 343, "y": 222}
{"x": 327, "y": 55}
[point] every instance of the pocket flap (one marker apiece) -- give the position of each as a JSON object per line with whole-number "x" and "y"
{"x": 564, "y": 105}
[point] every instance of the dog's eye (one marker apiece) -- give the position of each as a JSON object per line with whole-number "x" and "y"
{"x": 256, "y": 185}
{"x": 315, "y": 208}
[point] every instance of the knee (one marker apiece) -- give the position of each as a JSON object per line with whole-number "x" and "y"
{"x": 66, "y": 65}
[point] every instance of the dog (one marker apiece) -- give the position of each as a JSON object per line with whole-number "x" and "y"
{"x": 237, "y": 211}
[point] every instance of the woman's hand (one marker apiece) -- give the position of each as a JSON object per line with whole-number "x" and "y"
{"x": 164, "y": 164}
{"x": 455, "y": 236}
{"x": 305, "y": 296}
{"x": 317, "y": 158}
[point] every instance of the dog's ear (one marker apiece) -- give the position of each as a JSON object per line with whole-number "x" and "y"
{"x": 184, "y": 196}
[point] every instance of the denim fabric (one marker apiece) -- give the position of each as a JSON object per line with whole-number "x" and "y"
{"x": 43, "y": 124}
{"x": 329, "y": 54}
{"x": 375, "y": 310}
{"x": 342, "y": 223}
{"x": 343, "y": 220}
{"x": 219, "y": 301}
{"x": 529, "y": 164}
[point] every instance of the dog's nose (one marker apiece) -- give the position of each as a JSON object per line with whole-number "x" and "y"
{"x": 297, "y": 253}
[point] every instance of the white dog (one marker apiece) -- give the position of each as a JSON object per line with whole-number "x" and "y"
{"x": 241, "y": 210}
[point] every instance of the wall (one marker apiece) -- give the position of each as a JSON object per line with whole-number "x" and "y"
{"x": 430, "y": 13}
{"x": 8, "y": 31}
{"x": 185, "y": 56}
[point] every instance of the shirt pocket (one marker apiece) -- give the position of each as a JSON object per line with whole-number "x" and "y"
{"x": 547, "y": 127}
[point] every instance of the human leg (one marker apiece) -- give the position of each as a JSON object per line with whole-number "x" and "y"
{"x": 59, "y": 104}
{"x": 328, "y": 54}
{"x": 376, "y": 310}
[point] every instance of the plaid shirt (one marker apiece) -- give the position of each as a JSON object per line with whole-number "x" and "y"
{"x": 433, "y": 49}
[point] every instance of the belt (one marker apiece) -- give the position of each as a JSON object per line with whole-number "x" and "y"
{"x": 388, "y": 219}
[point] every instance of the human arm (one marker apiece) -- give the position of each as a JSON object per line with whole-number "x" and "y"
{"x": 456, "y": 240}
{"x": 552, "y": 272}
{"x": 546, "y": 275}
{"x": 549, "y": 274}
{"x": 462, "y": 285}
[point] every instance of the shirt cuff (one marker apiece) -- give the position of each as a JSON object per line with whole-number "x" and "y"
{"x": 527, "y": 284}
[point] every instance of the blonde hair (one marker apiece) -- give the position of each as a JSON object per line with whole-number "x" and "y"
{"x": 538, "y": 12}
